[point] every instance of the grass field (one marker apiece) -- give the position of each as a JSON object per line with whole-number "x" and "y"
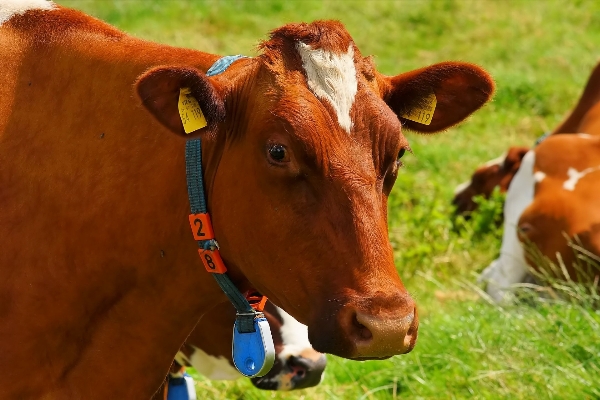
{"x": 540, "y": 54}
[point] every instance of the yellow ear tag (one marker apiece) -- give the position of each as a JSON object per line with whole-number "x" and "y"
{"x": 423, "y": 115}
{"x": 191, "y": 115}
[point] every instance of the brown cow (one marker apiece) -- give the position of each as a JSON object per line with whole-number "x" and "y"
{"x": 494, "y": 173}
{"x": 300, "y": 154}
{"x": 554, "y": 193}
{"x": 584, "y": 118}
{"x": 208, "y": 350}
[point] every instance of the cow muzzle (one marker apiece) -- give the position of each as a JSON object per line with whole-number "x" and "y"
{"x": 296, "y": 372}
{"x": 373, "y": 332}
{"x": 382, "y": 337}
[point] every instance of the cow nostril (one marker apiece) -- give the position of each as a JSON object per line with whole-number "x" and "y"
{"x": 363, "y": 332}
{"x": 411, "y": 336}
{"x": 300, "y": 372}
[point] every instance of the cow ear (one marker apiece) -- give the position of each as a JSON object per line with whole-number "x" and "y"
{"x": 459, "y": 89}
{"x": 159, "y": 90}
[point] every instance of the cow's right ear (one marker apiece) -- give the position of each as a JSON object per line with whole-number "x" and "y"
{"x": 159, "y": 90}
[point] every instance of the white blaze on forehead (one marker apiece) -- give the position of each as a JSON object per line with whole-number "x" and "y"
{"x": 511, "y": 268}
{"x": 499, "y": 161}
{"x": 8, "y": 8}
{"x": 575, "y": 176}
{"x": 461, "y": 187}
{"x": 294, "y": 336}
{"x": 332, "y": 77}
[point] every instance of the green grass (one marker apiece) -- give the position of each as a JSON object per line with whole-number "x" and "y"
{"x": 540, "y": 54}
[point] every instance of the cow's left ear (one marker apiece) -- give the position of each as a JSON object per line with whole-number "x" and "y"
{"x": 159, "y": 90}
{"x": 459, "y": 89}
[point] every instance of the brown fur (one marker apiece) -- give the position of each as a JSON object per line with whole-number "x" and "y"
{"x": 486, "y": 178}
{"x": 556, "y": 212}
{"x": 98, "y": 265}
{"x": 584, "y": 118}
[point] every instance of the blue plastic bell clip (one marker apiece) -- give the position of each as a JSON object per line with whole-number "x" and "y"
{"x": 253, "y": 352}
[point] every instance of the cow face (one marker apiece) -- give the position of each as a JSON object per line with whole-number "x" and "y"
{"x": 299, "y": 173}
{"x": 497, "y": 172}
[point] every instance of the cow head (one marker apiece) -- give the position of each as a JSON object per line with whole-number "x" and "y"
{"x": 306, "y": 146}
{"x": 497, "y": 172}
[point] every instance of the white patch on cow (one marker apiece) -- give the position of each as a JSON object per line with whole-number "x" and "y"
{"x": 511, "y": 268}
{"x": 332, "y": 77}
{"x": 8, "y": 8}
{"x": 499, "y": 161}
{"x": 575, "y": 176}
{"x": 539, "y": 176}
{"x": 294, "y": 336}
{"x": 191, "y": 388}
{"x": 461, "y": 187}
{"x": 585, "y": 135}
{"x": 217, "y": 368}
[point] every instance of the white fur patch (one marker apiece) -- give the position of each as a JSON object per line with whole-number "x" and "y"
{"x": 585, "y": 135}
{"x": 511, "y": 267}
{"x": 575, "y": 176}
{"x": 539, "y": 176}
{"x": 8, "y": 8}
{"x": 461, "y": 187}
{"x": 332, "y": 77}
{"x": 499, "y": 161}
{"x": 217, "y": 368}
{"x": 294, "y": 336}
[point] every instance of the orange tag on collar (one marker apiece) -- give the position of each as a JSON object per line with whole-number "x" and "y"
{"x": 212, "y": 261}
{"x": 256, "y": 300}
{"x": 201, "y": 226}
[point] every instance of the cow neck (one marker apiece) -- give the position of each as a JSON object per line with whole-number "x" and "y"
{"x": 208, "y": 247}
{"x": 200, "y": 222}
{"x": 253, "y": 351}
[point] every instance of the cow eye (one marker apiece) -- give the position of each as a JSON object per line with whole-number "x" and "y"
{"x": 278, "y": 153}
{"x": 401, "y": 153}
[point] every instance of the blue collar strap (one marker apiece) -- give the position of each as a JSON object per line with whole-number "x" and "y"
{"x": 208, "y": 248}
{"x": 222, "y": 64}
{"x": 252, "y": 348}
{"x": 541, "y": 138}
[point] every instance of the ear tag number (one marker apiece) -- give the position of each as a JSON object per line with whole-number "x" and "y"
{"x": 423, "y": 114}
{"x": 190, "y": 112}
{"x": 253, "y": 352}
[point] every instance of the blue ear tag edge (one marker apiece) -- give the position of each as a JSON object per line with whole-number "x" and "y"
{"x": 266, "y": 351}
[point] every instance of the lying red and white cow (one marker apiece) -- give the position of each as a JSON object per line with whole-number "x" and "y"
{"x": 585, "y": 117}
{"x": 208, "y": 350}
{"x": 553, "y": 194}
{"x": 301, "y": 151}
